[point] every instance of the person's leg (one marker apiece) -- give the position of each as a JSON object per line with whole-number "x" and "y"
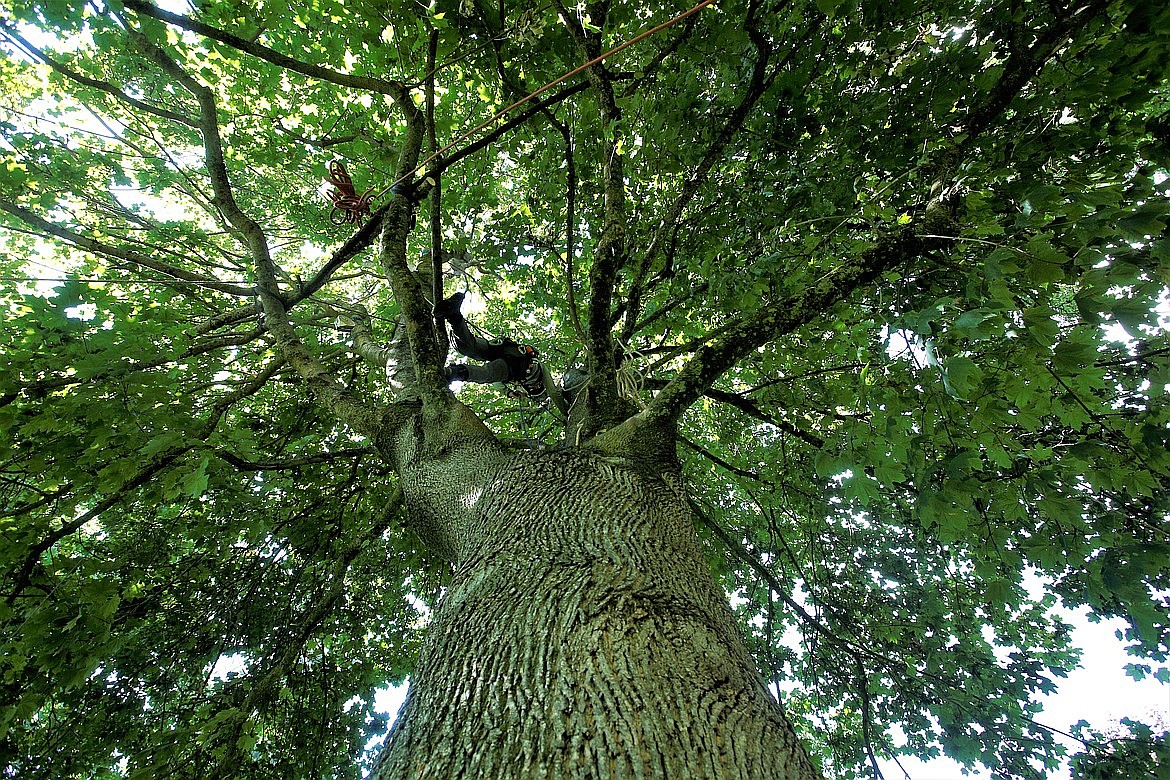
{"x": 466, "y": 342}
{"x": 488, "y": 373}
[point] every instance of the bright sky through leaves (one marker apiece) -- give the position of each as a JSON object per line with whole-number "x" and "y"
{"x": 899, "y": 271}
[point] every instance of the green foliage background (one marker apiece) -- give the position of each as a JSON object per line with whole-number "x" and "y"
{"x": 884, "y": 490}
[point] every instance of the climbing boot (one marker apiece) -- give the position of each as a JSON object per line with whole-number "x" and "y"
{"x": 457, "y": 372}
{"x": 449, "y": 307}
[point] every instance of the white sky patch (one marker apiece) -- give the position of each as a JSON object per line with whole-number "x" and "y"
{"x": 1098, "y": 691}
{"x": 420, "y": 605}
{"x": 228, "y": 666}
{"x": 139, "y": 198}
{"x": 174, "y": 6}
{"x": 47, "y": 274}
{"x": 473, "y": 304}
{"x": 906, "y": 344}
{"x": 389, "y": 700}
{"x": 83, "y": 311}
{"x": 312, "y": 253}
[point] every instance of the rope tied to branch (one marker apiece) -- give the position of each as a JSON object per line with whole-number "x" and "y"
{"x": 499, "y": 114}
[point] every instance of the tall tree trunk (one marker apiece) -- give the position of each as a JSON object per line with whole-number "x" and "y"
{"x": 582, "y": 636}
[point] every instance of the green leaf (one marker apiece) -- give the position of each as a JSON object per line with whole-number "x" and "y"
{"x": 961, "y": 377}
{"x": 999, "y": 592}
{"x": 899, "y": 432}
{"x": 162, "y": 442}
{"x": 1145, "y": 222}
{"x": 194, "y": 483}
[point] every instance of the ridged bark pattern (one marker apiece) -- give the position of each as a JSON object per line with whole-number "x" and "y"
{"x": 584, "y": 637}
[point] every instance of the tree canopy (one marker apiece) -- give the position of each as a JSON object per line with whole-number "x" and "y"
{"x": 900, "y": 271}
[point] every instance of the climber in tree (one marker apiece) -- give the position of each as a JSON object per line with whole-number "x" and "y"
{"x": 506, "y": 361}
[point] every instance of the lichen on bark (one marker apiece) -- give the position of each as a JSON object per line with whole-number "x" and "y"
{"x": 581, "y": 635}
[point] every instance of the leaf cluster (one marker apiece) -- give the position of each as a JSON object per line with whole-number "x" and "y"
{"x": 897, "y": 484}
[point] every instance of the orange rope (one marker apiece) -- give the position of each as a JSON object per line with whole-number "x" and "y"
{"x": 545, "y": 88}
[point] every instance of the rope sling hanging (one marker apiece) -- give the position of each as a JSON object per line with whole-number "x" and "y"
{"x": 524, "y": 424}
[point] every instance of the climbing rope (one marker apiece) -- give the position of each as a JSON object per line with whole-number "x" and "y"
{"x": 630, "y": 380}
{"x": 621, "y": 47}
{"x": 523, "y": 420}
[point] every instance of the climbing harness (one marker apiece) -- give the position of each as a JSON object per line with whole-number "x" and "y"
{"x": 530, "y": 407}
{"x": 533, "y": 381}
{"x": 523, "y": 362}
{"x": 629, "y": 384}
{"x": 523, "y": 419}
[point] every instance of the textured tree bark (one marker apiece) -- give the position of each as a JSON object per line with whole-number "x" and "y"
{"x": 582, "y": 635}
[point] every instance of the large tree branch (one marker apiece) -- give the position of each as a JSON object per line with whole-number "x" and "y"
{"x": 838, "y": 636}
{"x": 394, "y": 89}
{"x": 571, "y": 232}
{"x": 23, "y": 578}
{"x": 157, "y": 463}
{"x": 97, "y": 84}
{"x": 650, "y": 69}
{"x": 1023, "y": 64}
{"x": 735, "y": 340}
{"x": 263, "y": 683}
{"x": 731, "y": 468}
{"x": 324, "y": 386}
{"x": 518, "y": 88}
{"x": 294, "y": 463}
{"x": 750, "y": 408}
{"x": 379, "y": 355}
{"x": 742, "y": 336}
{"x": 758, "y": 84}
{"x": 535, "y": 108}
{"x": 182, "y": 278}
{"x": 125, "y": 369}
{"x": 417, "y": 320}
{"x": 368, "y": 233}
{"x": 610, "y": 252}
{"x": 436, "y": 197}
